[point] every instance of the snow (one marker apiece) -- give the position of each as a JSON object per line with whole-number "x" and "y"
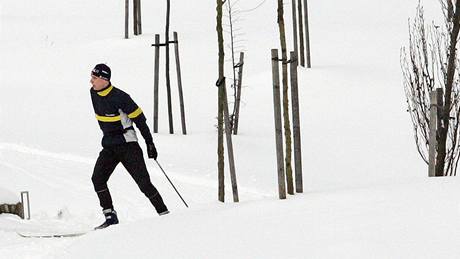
{"x": 7, "y": 196}
{"x": 367, "y": 194}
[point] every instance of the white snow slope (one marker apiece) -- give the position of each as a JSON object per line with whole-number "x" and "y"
{"x": 367, "y": 194}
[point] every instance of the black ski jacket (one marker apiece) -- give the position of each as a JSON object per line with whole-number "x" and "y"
{"x": 116, "y": 112}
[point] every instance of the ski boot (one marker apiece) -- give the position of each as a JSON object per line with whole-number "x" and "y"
{"x": 110, "y": 218}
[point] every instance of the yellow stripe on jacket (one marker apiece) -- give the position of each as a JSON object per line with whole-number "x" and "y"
{"x": 108, "y": 119}
{"x": 135, "y": 113}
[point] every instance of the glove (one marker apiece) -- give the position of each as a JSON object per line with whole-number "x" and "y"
{"x": 152, "y": 151}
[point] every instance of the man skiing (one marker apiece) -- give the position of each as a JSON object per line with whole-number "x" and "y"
{"x": 116, "y": 112}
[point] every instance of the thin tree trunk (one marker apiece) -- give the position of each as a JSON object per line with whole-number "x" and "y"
{"x": 234, "y": 85}
{"x": 238, "y": 93}
{"x": 296, "y": 124}
{"x": 126, "y": 19}
{"x": 168, "y": 80}
{"x": 287, "y": 125}
{"x": 451, "y": 66}
{"x": 302, "y": 45}
{"x": 179, "y": 84}
{"x": 156, "y": 83}
{"x": 220, "y": 130}
{"x": 294, "y": 27}
{"x": 278, "y": 125}
{"x": 228, "y": 135}
{"x": 307, "y": 34}
{"x": 135, "y": 17}
{"x": 139, "y": 15}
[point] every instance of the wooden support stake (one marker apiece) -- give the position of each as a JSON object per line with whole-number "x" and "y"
{"x": 168, "y": 80}
{"x": 301, "y": 30}
{"x": 294, "y": 27}
{"x": 436, "y": 104}
{"x": 238, "y": 93}
{"x": 278, "y": 131}
{"x": 156, "y": 82}
{"x": 135, "y": 17}
{"x": 433, "y": 131}
{"x": 126, "y": 18}
{"x": 307, "y": 34}
{"x": 440, "y": 98}
{"x": 179, "y": 84}
{"x": 220, "y": 143}
{"x": 296, "y": 124}
{"x": 139, "y": 15}
{"x": 228, "y": 135}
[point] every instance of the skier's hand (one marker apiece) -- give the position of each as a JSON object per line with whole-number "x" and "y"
{"x": 152, "y": 151}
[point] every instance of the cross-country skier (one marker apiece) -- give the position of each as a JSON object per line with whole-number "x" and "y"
{"x": 116, "y": 112}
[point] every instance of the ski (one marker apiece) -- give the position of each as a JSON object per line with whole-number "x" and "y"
{"x": 46, "y": 235}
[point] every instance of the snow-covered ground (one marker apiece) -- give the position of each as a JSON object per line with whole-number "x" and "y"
{"x": 367, "y": 194}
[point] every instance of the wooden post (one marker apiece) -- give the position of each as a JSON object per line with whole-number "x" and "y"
{"x": 302, "y": 45}
{"x": 220, "y": 144}
{"x": 179, "y": 84}
{"x": 135, "y": 17}
{"x": 307, "y": 34}
{"x": 126, "y": 18}
{"x": 238, "y": 93}
{"x": 220, "y": 134}
{"x": 139, "y": 14}
{"x": 155, "y": 83}
{"x": 294, "y": 26}
{"x": 433, "y": 133}
{"x": 168, "y": 80}
{"x": 440, "y": 102}
{"x": 228, "y": 136}
{"x": 296, "y": 124}
{"x": 278, "y": 131}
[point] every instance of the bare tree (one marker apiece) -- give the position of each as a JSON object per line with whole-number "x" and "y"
{"x": 430, "y": 63}
{"x": 287, "y": 124}
{"x": 220, "y": 112}
{"x": 235, "y": 35}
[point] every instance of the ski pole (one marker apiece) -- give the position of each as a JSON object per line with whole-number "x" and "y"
{"x": 171, "y": 183}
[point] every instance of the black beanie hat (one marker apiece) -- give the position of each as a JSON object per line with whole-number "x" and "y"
{"x": 102, "y": 71}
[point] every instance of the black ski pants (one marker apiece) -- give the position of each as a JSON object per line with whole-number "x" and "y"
{"x": 131, "y": 157}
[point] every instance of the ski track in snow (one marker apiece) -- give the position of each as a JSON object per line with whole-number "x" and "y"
{"x": 38, "y": 152}
{"x": 198, "y": 181}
